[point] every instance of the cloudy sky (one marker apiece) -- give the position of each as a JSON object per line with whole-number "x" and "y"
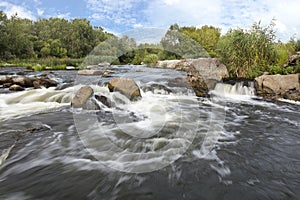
{"x": 119, "y": 16}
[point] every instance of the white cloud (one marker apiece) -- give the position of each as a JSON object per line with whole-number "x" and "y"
{"x": 40, "y": 11}
{"x": 11, "y": 9}
{"x": 121, "y": 12}
{"x": 64, "y": 15}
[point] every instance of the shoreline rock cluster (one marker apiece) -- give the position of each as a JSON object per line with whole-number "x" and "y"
{"x": 204, "y": 73}
{"x": 19, "y": 83}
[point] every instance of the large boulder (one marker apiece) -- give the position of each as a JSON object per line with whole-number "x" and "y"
{"x": 202, "y": 73}
{"x": 81, "y": 97}
{"x": 126, "y": 87}
{"x": 277, "y": 86}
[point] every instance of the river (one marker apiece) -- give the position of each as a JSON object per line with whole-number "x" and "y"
{"x": 168, "y": 145}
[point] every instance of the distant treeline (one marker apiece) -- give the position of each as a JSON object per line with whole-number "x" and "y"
{"x": 246, "y": 53}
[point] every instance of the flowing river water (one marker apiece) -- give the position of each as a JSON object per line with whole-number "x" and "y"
{"x": 168, "y": 145}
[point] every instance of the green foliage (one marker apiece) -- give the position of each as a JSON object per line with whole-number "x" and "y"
{"x": 243, "y": 50}
{"x": 275, "y": 69}
{"x": 206, "y": 36}
{"x": 282, "y": 52}
{"x": 53, "y": 37}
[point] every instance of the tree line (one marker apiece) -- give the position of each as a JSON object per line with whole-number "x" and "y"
{"x": 24, "y": 38}
{"x": 246, "y": 52}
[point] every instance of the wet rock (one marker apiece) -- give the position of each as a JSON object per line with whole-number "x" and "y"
{"x": 105, "y": 101}
{"x": 4, "y": 80}
{"x": 157, "y": 88}
{"x": 23, "y": 81}
{"x": 82, "y": 96}
{"x": 44, "y": 82}
{"x": 7, "y": 85}
{"x": 91, "y": 104}
{"x": 16, "y": 88}
{"x": 89, "y": 72}
{"x": 125, "y": 86}
{"x": 107, "y": 73}
{"x": 278, "y": 86}
{"x": 64, "y": 86}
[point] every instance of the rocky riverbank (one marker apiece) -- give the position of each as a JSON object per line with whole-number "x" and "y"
{"x": 204, "y": 73}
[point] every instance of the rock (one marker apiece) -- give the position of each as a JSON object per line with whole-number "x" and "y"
{"x": 105, "y": 101}
{"x": 92, "y": 67}
{"x": 202, "y": 73}
{"x": 23, "y": 81}
{"x": 36, "y": 85}
{"x": 90, "y": 72}
{"x": 64, "y": 86}
{"x": 293, "y": 59}
{"x": 169, "y": 64}
{"x": 277, "y": 86}
{"x": 82, "y": 96}
{"x": 4, "y": 80}
{"x": 126, "y": 87}
{"x": 44, "y": 82}
{"x": 104, "y": 64}
{"x": 107, "y": 73}
{"x": 91, "y": 104}
{"x": 16, "y": 88}
{"x": 7, "y": 85}
{"x": 70, "y": 68}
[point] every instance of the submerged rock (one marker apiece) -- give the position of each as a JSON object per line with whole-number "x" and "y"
{"x": 278, "y": 86}
{"x": 125, "y": 86}
{"x": 105, "y": 101}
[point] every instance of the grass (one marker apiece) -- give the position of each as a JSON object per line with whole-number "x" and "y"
{"x": 43, "y": 64}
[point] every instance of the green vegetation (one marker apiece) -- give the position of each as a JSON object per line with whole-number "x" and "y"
{"x": 56, "y": 43}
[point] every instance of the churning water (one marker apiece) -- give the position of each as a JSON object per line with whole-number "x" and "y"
{"x": 169, "y": 145}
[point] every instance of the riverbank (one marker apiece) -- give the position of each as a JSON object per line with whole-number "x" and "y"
{"x": 204, "y": 73}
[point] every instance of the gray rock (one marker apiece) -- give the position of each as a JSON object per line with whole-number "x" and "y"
{"x": 277, "y": 86}
{"x": 202, "y": 73}
{"x": 89, "y": 72}
{"x": 126, "y": 87}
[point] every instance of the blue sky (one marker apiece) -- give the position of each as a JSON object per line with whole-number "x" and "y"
{"x": 119, "y": 16}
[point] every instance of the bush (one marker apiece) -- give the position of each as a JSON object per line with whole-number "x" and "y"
{"x": 243, "y": 50}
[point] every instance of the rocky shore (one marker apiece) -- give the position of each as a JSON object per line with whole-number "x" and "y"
{"x": 204, "y": 73}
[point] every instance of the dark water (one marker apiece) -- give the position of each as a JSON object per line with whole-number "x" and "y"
{"x": 255, "y": 156}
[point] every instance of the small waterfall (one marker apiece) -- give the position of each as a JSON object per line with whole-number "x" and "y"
{"x": 236, "y": 90}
